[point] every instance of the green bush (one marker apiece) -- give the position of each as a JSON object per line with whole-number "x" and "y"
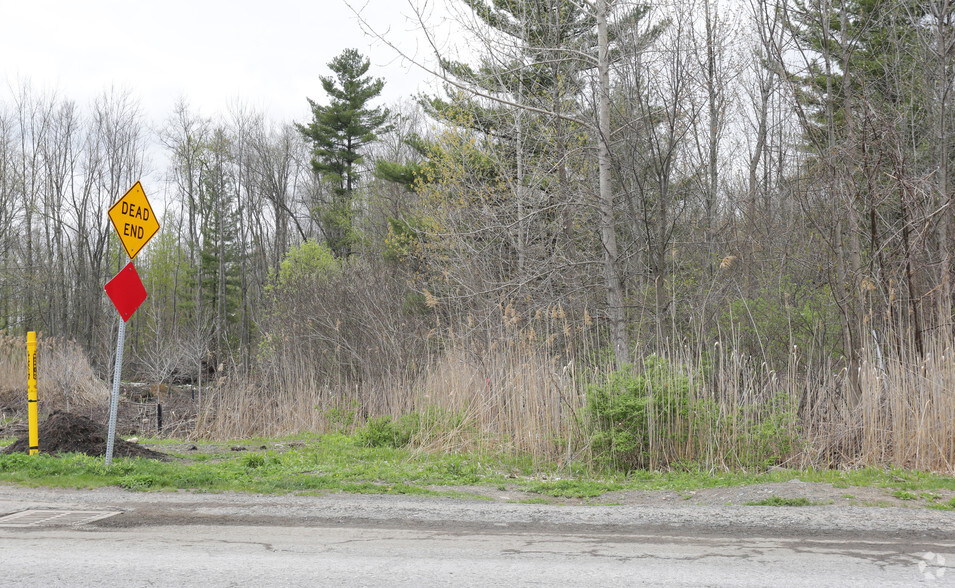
{"x": 308, "y": 261}
{"x": 137, "y": 482}
{"x": 403, "y": 243}
{"x": 768, "y": 324}
{"x": 420, "y": 426}
{"x": 656, "y": 417}
{"x": 384, "y": 432}
{"x": 640, "y": 418}
{"x": 253, "y": 460}
{"x": 765, "y": 441}
{"x": 342, "y": 418}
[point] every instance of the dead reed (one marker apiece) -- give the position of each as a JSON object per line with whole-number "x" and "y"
{"x": 521, "y": 384}
{"x": 65, "y": 380}
{"x": 517, "y": 392}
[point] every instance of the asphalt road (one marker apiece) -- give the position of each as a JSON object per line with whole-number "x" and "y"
{"x": 189, "y": 539}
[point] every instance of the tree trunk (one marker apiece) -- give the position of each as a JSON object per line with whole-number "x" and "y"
{"x": 608, "y": 236}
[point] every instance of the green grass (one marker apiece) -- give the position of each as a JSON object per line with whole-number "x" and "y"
{"x": 950, "y": 505}
{"x": 334, "y": 463}
{"x": 538, "y": 500}
{"x": 692, "y": 479}
{"x": 570, "y": 488}
{"x": 780, "y": 501}
{"x": 340, "y": 463}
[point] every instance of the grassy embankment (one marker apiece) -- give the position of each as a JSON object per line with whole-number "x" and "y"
{"x": 342, "y": 463}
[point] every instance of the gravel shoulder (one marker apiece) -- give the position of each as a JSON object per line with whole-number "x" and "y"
{"x": 818, "y": 494}
{"x": 829, "y": 510}
{"x": 416, "y": 512}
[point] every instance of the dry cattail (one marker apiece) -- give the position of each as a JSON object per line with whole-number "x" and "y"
{"x": 728, "y": 262}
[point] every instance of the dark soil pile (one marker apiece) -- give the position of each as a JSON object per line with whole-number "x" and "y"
{"x": 63, "y": 432}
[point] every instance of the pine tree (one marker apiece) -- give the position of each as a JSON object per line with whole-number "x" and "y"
{"x": 339, "y": 132}
{"x": 524, "y": 179}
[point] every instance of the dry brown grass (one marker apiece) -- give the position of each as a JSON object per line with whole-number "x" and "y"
{"x": 64, "y": 376}
{"x": 514, "y": 393}
{"x": 906, "y": 416}
{"x": 518, "y": 399}
{"x": 521, "y": 387}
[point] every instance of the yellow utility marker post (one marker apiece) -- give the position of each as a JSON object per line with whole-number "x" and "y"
{"x": 31, "y": 393}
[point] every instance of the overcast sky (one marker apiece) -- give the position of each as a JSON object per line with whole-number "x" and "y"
{"x": 266, "y": 54}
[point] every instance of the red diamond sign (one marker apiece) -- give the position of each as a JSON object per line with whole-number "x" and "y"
{"x": 126, "y": 291}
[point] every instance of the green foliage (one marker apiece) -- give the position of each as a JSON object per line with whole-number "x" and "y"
{"x": 15, "y": 462}
{"x": 881, "y": 44}
{"x": 343, "y": 418}
{"x": 572, "y": 488}
{"x": 419, "y": 426}
{"x": 765, "y": 440}
{"x": 342, "y": 464}
{"x": 403, "y": 243}
{"x": 555, "y": 37}
{"x": 218, "y": 279}
{"x": 339, "y": 132}
{"x": 253, "y": 460}
{"x": 655, "y": 417}
{"x": 414, "y": 303}
{"x": 769, "y": 324}
{"x": 338, "y": 221}
{"x": 631, "y": 408}
{"x": 404, "y": 174}
{"x": 780, "y": 501}
{"x": 164, "y": 259}
{"x": 463, "y": 470}
{"x": 412, "y": 175}
{"x": 383, "y": 432}
{"x": 340, "y": 129}
{"x": 305, "y": 263}
{"x": 137, "y": 482}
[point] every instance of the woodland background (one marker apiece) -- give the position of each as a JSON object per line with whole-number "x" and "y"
{"x": 651, "y": 235}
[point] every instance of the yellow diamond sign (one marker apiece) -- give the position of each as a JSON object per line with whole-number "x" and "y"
{"x": 134, "y": 220}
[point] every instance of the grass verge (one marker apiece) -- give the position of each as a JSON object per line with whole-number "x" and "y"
{"x": 780, "y": 501}
{"x": 341, "y": 463}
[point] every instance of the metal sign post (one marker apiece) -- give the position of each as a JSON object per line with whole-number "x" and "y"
{"x": 114, "y": 399}
{"x": 127, "y": 292}
{"x": 134, "y": 220}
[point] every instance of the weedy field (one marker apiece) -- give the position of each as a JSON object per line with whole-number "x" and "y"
{"x": 708, "y": 428}
{"x": 318, "y": 464}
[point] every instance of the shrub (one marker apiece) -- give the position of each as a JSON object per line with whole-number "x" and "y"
{"x": 769, "y": 438}
{"x": 341, "y": 419}
{"x": 429, "y": 424}
{"x": 309, "y": 261}
{"x": 768, "y": 324}
{"x": 383, "y": 432}
{"x": 640, "y": 418}
{"x": 253, "y": 460}
{"x": 403, "y": 243}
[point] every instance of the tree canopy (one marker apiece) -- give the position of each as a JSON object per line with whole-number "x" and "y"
{"x": 339, "y": 131}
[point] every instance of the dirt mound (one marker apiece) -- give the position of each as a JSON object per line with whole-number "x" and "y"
{"x": 63, "y": 432}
